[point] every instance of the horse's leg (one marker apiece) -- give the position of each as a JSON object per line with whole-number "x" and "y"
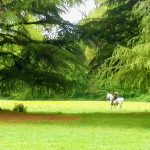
{"x": 111, "y": 105}
{"x": 115, "y": 104}
{"x": 121, "y": 105}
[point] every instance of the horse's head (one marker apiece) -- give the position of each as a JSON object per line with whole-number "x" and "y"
{"x": 109, "y": 96}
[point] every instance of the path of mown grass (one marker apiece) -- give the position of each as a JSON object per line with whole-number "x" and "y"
{"x": 97, "y": 129}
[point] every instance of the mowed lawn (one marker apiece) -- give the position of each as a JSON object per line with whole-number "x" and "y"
{"x": 95, "y": 127}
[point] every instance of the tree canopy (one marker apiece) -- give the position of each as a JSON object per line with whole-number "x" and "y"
{"x": 37, "y": 46}
{"x": 110, "y": 24}
{"x": 126, "y": 38}
{"x": 42, "y": 51}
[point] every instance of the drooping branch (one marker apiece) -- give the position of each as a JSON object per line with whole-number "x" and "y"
{"x": 41, "y": 60}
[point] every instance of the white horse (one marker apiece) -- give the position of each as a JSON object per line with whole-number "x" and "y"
{"x": 118, "y": 102}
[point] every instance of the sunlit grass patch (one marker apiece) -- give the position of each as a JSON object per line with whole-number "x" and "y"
{"x": 76, "y": 106}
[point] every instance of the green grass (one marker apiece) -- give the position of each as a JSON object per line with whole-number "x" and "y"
{"x": 76, "y": 106}
{"x": 98, "y": 128}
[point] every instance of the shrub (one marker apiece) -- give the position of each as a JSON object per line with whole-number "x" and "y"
{"x": 20, "y": 108}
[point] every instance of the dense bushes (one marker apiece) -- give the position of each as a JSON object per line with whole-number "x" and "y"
{"x": 20, "y": 108}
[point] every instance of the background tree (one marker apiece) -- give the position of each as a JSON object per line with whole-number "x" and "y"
{"x": 44, "y": 53}
{"x": 119, "y": 31}
{"x": 45, "y": 60}
{"x": 110, "y": 24}
{"x": 129, "y": 65}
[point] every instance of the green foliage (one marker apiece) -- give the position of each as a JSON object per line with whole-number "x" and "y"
{"x": 141, "y": 98}
{"x": 20, "y": 108}
{"x": 120, "y": 34}
{"x": 110, "y": 24}
{"x": 38, "y": 49}
{"x": 129, "y": 65}
{"x": 132, "y": 69}
{"x": 42, "y": 55}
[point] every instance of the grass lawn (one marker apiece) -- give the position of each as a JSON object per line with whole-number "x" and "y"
{"x": 97, "y": 127}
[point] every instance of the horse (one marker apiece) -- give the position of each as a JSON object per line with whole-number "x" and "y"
{"x": 118, "y": 102}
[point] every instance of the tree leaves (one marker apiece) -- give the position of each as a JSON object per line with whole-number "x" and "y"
{"x": 113, "y": 24}
{"x": 130, "y": 66}
{"x": 38, "y": 61}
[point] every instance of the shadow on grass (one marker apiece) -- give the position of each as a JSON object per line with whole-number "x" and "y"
{"x": 113, "y": 119}
{"x": 126, "y": 120}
